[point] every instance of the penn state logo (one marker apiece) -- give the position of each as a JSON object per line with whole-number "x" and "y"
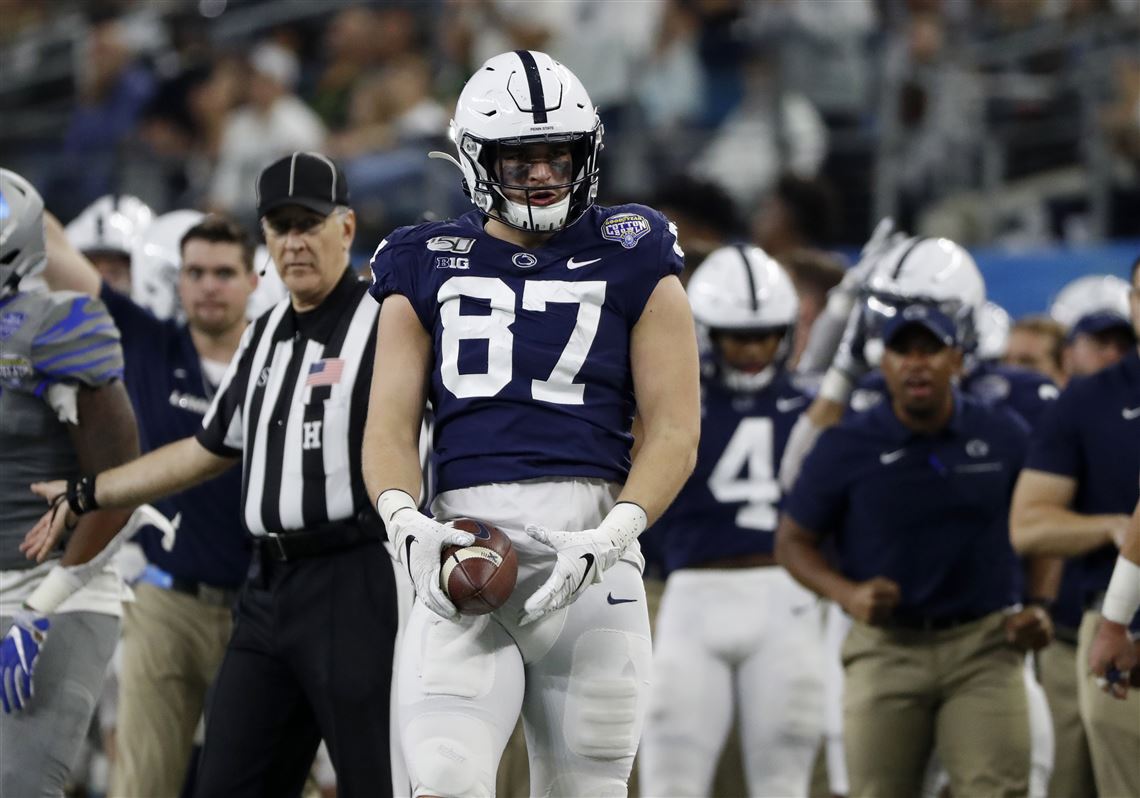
{"x": 977, "y": 448}
{"x": 524, "y": 260}
{"x": 10, "y": 322}
{"x": 625, "y": 228}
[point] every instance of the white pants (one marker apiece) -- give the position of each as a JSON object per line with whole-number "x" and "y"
{"x": 580, "y": 676}
{"x": 744, "y": 642}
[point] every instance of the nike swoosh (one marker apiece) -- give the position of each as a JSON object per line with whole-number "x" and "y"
{"x": 578, "y": 264}
{"x": 1130, "y": 413}
{"x": 589, "y": 558}
{"x": 408, "y": 541}
{"x": 886, "y": 458}
{"x": 610, "y": 598}
{"x": 785, "y": 405}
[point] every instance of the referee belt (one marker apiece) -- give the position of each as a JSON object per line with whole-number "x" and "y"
{"x": 207, "y": 594}
{"x": 324, "y": 539}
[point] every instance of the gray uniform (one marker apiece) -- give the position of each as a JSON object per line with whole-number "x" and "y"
{"x": 49, "y": 344}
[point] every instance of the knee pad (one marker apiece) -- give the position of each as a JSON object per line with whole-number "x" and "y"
{"x": 607, "y": 693}
{"x": 447, "y": 767}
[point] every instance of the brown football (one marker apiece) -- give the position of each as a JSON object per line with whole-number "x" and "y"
{"x": 479, "y": 578}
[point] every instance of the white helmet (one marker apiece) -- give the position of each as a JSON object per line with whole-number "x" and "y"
{"x": 993, "y": 331}
{"x": 110, "y": 224}
{"x": 932, "y": 270}
{"x": 23, "y": 252}
{"x": 156, "y": 260}
{"x": 517, "y": 98}
{"x": 1093, "y": 293}
{"x": 740, "y": 288}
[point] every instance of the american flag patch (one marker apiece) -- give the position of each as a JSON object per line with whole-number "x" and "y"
{"x": 325, "y": 372}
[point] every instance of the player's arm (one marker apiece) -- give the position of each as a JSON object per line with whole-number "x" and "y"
{"x": 666, "y": 382}
{"x": 67, "y": 268}
{"x": 157, "y": 474}
{"x": 1114, "y": 654}
{"x": 798, "y": 551}
{"x": 1041, "y": 521}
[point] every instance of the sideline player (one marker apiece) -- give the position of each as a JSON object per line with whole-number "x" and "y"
{"x": 63, "y": 407}
{"x": 533, "y": 323}
{"x": 761, "y": 658}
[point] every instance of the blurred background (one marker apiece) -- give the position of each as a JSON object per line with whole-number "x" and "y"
{"x": 1011, "y": 126}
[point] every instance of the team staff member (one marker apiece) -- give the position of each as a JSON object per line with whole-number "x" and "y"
{"x": 916, "y": 491}
{"x": 175, "y": 632}
{"x": 311, "y": 655}
{"x": 1074, "y": 500}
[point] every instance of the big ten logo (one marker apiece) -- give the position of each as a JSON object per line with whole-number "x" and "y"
{"x": 447, "y": 262}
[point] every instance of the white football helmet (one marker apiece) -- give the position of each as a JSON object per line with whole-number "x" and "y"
{"x": 156, "y": 260}
{"x": 993, "y": 332}
{"x": 932, "y": 270}
{"x": 519, "y": 98}
{"x": 111, "y": 224}
{"x": 741, "y": 289}
{"x": 23, "y": 252}
{"x": 1093, "y": 293}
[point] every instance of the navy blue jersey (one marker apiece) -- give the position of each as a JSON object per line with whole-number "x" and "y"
{"x": 531, "y": 373}
{"x": 1025, "y": 392}
{"x": 1092, "y": 435}
{"x": 729, "y": 505}
{"x": 929, "y": 512}
{"x": 170, "y": 395}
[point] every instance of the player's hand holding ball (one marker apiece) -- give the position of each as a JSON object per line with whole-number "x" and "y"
{"x": 419, "y": 542}
{"x": 481, "y": 577}
{"x": 582, "y": 558}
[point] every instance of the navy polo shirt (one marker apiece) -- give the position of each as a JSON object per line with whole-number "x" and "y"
{"x": 929, "y": 512}
{"x": 170, "y": 395}
{"x": 1092, "y": 435}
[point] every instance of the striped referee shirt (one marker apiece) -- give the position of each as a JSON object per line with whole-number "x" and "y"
{"x": 292, "y": 405}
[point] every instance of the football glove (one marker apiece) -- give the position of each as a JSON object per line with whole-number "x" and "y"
{"x": 18, "y": 654}
{"x": 419, "y": 542}
{"x": 582, "y": 558}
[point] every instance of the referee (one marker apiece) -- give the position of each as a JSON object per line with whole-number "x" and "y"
{"x": 315, "y": 622}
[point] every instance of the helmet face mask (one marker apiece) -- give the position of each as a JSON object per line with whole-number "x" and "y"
{"x": 527, "y": 100}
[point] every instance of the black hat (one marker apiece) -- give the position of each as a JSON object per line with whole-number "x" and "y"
{"x": 308, "y": 179}
{"x": 926, "y": 316}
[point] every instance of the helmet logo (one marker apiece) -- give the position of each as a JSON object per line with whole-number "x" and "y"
{"x": 625, "y": 228}
{"x": 524, "y": 260}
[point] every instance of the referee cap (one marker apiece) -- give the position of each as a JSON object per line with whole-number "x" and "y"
{"x": 308, "y": 179}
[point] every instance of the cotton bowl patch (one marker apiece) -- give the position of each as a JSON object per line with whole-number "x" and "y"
{"x": 625, "y": 228}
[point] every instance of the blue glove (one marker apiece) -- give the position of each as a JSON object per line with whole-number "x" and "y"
{"x": 18, "y": 654}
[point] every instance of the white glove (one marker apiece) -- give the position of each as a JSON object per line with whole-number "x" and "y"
{"x": 582, "y": 558}
{"x": 419, "y": 542}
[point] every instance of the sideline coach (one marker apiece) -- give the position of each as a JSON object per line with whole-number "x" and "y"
{"x": 315, "y": 623}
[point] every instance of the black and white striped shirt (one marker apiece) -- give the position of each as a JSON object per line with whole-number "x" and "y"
{"x": 293, "y": 405}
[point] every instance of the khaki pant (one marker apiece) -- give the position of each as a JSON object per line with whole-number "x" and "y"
{"x": 1112, "y": 726}
{"x": 172, "y": 647}
{"x": 1072, "y": 764}
{"x": 958, "y": 691}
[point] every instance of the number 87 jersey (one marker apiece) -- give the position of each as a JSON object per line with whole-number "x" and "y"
{"x": 531, "y": 348}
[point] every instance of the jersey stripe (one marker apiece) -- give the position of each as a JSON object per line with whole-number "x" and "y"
{"x": 534, "y": 82}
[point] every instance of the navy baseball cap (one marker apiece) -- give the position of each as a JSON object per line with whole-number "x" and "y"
{"x": 926, "y": 316}
{"x": 308, "y": 179}
{"x": 1100, "y": 321}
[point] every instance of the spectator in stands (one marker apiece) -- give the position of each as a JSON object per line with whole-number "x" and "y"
{"x": 273, "y": 122}
{"x": 798, "y": 212}
{"x": 706, "y": 217}
{"x": 350, "y": 45}
{"x": 1035, "y": 343}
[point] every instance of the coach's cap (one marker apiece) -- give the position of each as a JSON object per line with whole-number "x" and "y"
{"x": 308, "y": 179}
{"x": 926, "y": 316}
{"x": 1099, "y": 322}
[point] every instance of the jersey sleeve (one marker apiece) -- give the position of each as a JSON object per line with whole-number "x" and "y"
{"x": 665, "y": 258}
{"x": 818, "y": 500}
{"x": 77, "y": 343}
{"x": 222, "y": 430}
{"x": 396, "y": 270}
{"x": 1055, "y": 446}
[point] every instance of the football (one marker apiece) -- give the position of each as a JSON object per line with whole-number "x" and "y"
{"x": 479, "y": 578}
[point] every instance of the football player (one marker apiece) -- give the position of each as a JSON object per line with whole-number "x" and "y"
{"x": 535, "y": 324}
{"x": 63, "y": 408}
{"x": 107, "y": 231}
{"x": 761, "y": 658}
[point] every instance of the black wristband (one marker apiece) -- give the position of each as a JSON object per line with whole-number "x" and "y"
{"x": 81, "y": 494}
